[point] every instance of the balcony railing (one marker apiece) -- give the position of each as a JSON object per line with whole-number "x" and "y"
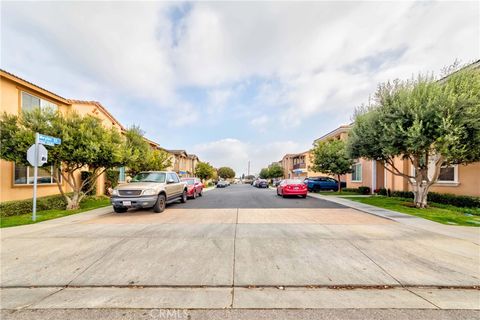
{"x": 299, "y": 166}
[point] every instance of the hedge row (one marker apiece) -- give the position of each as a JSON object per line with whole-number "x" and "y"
{"x": 443, "y": 198}
{"x": 18, "y": 207}
{"x": 359, "y": 190}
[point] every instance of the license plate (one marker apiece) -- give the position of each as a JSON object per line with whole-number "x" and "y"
{"x": 127, "y": 203}
{"x": 296, "y": 188}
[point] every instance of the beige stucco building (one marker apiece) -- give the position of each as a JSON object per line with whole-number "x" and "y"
{"x": 456, "y": 179}
{"x": 183, "y": 163}
{"x": 297, "y": 165}
{"x": 17, "y": 94}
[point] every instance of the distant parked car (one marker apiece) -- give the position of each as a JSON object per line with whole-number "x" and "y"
{"x": 222, "y": 184}
{"x": 323, "y": 184}
{"x": 292, "y": 187}
{"x": 194, "y": 187}
{"x": 262, "y": 183}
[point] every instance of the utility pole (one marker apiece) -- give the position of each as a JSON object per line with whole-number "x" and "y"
{"x": 248, "y": 171}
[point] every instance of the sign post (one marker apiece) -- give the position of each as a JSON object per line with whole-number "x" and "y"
{"x": 35, "y": 178}
{"x": 37, "y": 156}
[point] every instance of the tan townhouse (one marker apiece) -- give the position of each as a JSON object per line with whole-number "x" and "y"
{"x": 183, "y": 163}
{"x": 18, "y": 94}
{"x": 297, "y": 165}
{"x": 456, "y": 179}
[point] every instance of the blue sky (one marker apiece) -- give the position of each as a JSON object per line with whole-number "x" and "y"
{"x": 233, "y": 81}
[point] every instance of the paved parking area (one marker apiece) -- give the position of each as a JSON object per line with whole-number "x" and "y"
{"x": 280, "y": 257}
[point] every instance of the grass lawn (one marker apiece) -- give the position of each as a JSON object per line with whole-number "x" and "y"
{"x": 335, "y": 193}
{"x": 442, "y": 213}
{"x": 89, "y": 204}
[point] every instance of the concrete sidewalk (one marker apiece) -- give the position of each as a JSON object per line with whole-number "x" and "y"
{"x": 471, "y": 234}
{"x": 239, "y": 297}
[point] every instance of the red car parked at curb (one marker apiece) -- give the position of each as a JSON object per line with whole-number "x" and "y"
{"x": 292, "y": 187}
{"x": 194, "y": 187}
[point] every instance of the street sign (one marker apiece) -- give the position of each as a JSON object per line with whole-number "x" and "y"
{"x": 41, "y": 158}
{"x": 37, "y": 155}
{"x": 49, "y": 141}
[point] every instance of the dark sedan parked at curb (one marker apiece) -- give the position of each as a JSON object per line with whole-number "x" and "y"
{"x": 194, "y": 187}
{"x": 292, "y": 187}
{"x": 262, "y": 183}
{"x": 222, "y": 184}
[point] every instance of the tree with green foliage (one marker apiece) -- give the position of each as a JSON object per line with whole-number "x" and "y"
{"x": 204, "y": 171}
{"x": 86, "y": 143}
{"x": 264, "y": 173}
{"x": 226, "y": 173}
{"x": 426, "y": 122}
{"x": 275, "y": 171}
{"x": 141, "y": 156}
{"x": 330, "y": 157}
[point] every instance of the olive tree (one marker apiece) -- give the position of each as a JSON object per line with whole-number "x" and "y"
{"x": 275, "y": 171}
{"x": 140, "y": 156}
{"x": 264, "y": 173}
{"x": 331, "y": 157}
{"x": 204, "y": 171}
{"x": 426, "y": 122}
{"x": 86, "y": 143}
{"x": 226, "y": 173}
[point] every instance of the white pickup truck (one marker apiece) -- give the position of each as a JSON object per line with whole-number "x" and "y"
{"x": 149, "y": 189}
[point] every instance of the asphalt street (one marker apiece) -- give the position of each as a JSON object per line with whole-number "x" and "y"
{"x": 247, "y": 196}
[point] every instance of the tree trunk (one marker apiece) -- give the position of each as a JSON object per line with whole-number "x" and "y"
{"x": 339, "y": 184}
{"x": 73, "y": 202}
{"x": 420, "y": 196}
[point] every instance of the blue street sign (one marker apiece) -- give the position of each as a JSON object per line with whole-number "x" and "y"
{"x": 49, "y": 141}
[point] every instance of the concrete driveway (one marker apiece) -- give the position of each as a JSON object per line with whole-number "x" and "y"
{"x": 315, "y": 254}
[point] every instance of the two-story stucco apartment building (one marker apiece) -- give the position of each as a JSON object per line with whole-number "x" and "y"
{"x": 17, "y": 94}
{"x": 456, "y": 179}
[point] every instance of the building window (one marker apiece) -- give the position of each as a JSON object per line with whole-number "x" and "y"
{"x": 357, "y": 172}
{"x": 30, "y": 102}
{"x": 121, "y": 174}
{"x": 25, "y": 175}
{"x": 448, "y": 174}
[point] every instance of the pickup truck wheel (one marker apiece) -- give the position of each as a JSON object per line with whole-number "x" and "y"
{"x": 160, "y": 204}
{"x": 183, "y": 199}
{"x": 120, "y": 209}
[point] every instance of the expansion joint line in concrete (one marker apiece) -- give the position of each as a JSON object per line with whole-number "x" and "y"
{"x": 107, "y": 251}
{"x": 384, "y": 270}
{"x": 234, "y": 255}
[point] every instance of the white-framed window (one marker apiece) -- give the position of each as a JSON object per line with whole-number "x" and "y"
{"x": 30, "y": 102}
{"x": 357, "y": 172}
{"x": 448, "y": 174}
{"x": 23, "y": 175}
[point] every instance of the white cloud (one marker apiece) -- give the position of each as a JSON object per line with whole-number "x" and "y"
{"x": 290, "y": 61}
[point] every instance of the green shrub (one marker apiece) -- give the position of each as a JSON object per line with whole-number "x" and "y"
{"x": 18, "y": 207}
{"x": 364, "y": 190}
{"x": 359, "y": 190}
{"x": 111, "y": 179}
{"x": 454, "y": 200}
{"x": 402, "y": 194}
{"x": 383, "y": 192}
{"x": 443, "y": 198}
